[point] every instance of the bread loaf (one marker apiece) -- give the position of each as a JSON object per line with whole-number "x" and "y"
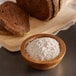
{"x": 14, "y": 18}
{"x": 41, "y": 9}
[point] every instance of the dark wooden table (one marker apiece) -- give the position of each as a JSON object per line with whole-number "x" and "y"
{"x": 12, "y": 64}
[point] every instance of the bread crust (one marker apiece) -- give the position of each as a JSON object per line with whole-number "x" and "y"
{"x": 3, "y": 31}
{"x": 15, "y": 19}
{"x": 41, "y": 9}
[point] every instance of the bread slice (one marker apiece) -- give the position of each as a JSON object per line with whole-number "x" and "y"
{"x": 56, "y": 6}
{"x": 41, "y": 9}
{"x": 15, "y": 19}
{"x": 3, "y": 31}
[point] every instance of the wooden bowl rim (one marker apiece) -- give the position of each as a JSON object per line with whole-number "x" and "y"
{"x": 29, "y": 59}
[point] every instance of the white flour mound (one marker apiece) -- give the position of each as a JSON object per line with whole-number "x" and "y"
{"x": 43, "y": 48}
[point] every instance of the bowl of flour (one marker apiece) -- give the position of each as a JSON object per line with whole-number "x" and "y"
{"x": 43, "y": 51}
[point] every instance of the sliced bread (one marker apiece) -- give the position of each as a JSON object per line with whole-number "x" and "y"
{"x": 3, "y": 31}
{"x": 15, "y": 19}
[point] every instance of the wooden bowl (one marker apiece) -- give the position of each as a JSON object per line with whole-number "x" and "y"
{"x": 43, "y": 65}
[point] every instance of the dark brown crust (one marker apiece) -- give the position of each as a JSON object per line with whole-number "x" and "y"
{"x": 3, "y": 31}
{"x": 59, "y": 4}
{"x": 15, "y": 19}
{"x": 41, "y": 9}
{"x": 56, "y": 6}
{"x": 51, "y": 9}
